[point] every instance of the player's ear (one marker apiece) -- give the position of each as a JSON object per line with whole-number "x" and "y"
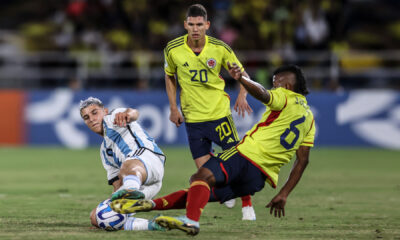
{"x": 185, "y": 25}
{"x": 106, "y": 110}
{"x": 289, "y": 86}
{"x": 208, "y": 24}
{"x": 291, "y": 82}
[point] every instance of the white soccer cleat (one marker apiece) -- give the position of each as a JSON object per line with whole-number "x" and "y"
{"x": 230, "y": 203}
{"x": 248, "y": 213}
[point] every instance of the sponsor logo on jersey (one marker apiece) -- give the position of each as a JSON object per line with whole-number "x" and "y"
{"x": 211, "y": 63}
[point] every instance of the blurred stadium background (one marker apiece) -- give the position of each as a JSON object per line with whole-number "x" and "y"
{"x": 65, "y": 50}
{"x": 53, "y": 53}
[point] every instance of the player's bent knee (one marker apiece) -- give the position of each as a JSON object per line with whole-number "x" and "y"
{"x": 133, "y": 167}
{"x": 203, "y": 174}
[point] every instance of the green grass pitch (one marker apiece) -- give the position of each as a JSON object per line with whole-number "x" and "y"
{"x": 48, "y": 193}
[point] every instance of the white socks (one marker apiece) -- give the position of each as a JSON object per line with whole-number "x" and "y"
{"x": 132, "y": 181}
{"x": 136, "y": 224}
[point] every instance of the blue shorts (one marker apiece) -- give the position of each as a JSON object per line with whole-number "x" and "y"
{"x": 235, "y": 176}
{"x": 201, "y": 135}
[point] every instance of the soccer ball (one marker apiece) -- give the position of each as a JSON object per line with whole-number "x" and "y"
{"x": 108, "y": 219}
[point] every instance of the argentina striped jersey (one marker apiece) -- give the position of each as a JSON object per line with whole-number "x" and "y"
{"x": 122, "y": 143}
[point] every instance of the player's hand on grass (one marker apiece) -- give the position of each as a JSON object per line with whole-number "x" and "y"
{"x": 277, "y": 206}
{"x": 241, "y": 105}
{"x": 176, "y": 117}
{"x": 234, "y": 71}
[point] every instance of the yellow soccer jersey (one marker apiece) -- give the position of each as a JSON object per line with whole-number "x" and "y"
{"x": 202, "y": 94}
{"x": 287, "y": 124}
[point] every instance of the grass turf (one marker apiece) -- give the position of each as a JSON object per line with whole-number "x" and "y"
{"x": 48, "y": 193}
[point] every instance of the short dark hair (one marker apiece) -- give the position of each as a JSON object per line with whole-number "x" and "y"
{"x": 300, "y": 85}
{"x": 197, "y": 10}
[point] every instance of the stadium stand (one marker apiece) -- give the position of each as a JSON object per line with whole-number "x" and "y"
{"x": 90, "y": 44}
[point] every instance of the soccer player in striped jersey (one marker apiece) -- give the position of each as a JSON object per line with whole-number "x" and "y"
{"x": 285, "y": 129}
{"x": 133, "y": 161}
{"x": 195, "y": 61}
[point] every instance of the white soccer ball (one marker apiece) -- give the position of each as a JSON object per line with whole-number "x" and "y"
{"x": 108, "y": 219}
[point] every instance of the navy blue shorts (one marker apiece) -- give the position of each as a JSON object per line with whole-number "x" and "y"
{"x": 201, "y": 135}
{"x": 235, "y": 176}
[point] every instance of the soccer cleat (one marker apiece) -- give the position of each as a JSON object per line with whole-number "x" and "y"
{"x": 127, "y": 194}
{"x": 248, "y": 213}
{"x": 131, "y": 206}
{"x": 153, "y": 226}
{"x": 182, "y": 223}
{"x": 230, "y": 203}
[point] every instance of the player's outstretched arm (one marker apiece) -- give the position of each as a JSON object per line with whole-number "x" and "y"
{"x": 277, "y": 204}
{"x": 128, "y": 116}
{"x": 254, "y": 88}
{"x": 175, "y": 115}
{"x": 241, "y": 105}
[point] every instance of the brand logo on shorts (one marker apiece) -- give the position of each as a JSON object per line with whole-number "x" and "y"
{"x": 211, "y": 63}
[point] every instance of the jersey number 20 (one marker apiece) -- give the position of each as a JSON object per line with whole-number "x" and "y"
{"x": 223, "y": 130}
{"x": 293, "y": 129}
{"x": 202, "y": 75}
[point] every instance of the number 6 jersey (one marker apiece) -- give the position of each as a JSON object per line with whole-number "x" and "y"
{"x": 287, "y": 124}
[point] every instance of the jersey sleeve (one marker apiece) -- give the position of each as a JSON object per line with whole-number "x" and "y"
{"x": 109, "y": 118}
{"x": 169, "y": 65}
{"x": 231, "y": 58}
{"x": 278, "y": 99}
{"x": 309, "y": 138}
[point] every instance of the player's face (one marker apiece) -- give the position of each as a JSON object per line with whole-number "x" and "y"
{"x": 93, "y": 117}
{"x": 196, "y": 27}
{"x": 284, "y": 80}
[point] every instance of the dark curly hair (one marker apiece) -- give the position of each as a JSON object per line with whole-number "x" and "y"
{"x": 300, "y": 85}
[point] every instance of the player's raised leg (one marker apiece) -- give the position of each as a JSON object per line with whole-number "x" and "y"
{"x": 133, "y": 173}
{"x": 175, "y": 200}
{"x": 194, "y": 199}
{"x": 197, "y": 198}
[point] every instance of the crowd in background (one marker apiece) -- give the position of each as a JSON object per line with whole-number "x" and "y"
{"x": 113, "y": 28}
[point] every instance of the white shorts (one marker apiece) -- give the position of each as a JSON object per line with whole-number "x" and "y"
{"x": 154, "y": 165}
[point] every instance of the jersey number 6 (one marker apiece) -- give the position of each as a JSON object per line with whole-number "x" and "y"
{"x": 293, "y": 129}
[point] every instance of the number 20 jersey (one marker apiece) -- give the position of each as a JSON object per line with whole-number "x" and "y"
{"x": 287, "y": 124}
{"x": 202, "y": 94}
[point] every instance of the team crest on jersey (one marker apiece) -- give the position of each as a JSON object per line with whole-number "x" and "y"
{"x": 211, "y": 63}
